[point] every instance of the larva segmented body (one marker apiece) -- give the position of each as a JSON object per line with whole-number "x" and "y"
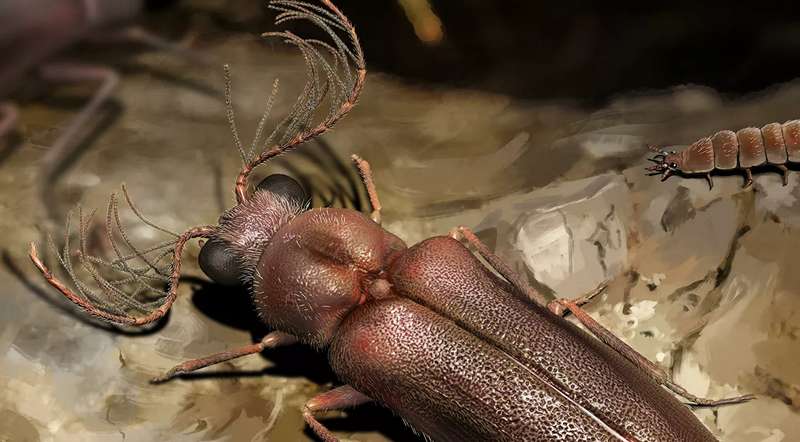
{"x": 774, "y": 144}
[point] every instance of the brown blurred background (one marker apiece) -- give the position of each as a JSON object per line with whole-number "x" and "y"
{"x": 585, "y": 51}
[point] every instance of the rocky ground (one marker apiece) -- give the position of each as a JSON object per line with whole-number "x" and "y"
{"x": 702, "y": 282}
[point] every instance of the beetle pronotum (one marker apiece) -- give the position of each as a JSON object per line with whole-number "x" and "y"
{"x": 428, "y": 331}
{"x": 774, "y": 144}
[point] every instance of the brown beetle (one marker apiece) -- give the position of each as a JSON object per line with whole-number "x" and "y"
{"x": 428, "y": 331}
{"x": 774, "y": 144}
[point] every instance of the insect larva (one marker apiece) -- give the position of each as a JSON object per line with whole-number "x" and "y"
{"x": 774, "y": 144}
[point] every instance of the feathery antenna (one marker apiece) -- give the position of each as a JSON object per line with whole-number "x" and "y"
{"x": 137, "y": 285}
{"x": 335, "y": 72}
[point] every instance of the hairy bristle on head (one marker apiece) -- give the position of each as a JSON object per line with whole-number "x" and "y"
{"x": 249, "y": 226}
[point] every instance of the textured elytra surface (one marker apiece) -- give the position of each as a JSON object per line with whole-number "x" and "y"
{"x": 443, "y": 275}
{"x": 459, "y": 388}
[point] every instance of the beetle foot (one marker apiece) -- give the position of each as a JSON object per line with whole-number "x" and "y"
{"x": 336, "y": 399}
{"x": 171, "y": 373}
{"x": 708, "y": 403}
{"x": 559, "y": 306}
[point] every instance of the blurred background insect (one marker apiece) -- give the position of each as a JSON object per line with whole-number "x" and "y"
{"x": 35, "y": 39}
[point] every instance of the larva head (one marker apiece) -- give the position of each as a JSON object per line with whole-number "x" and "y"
{"x": 666, "y": 163}
{"x": 230, "y": 255}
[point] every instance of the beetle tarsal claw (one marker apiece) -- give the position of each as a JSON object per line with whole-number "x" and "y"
{"x": 171, "y": 373}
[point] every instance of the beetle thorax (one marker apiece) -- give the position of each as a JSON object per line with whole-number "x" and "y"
{"x": 318, "y": 268}
{"x": 248, "y": 227}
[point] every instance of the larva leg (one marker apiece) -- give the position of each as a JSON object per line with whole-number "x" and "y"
{"x": 336, "y": 399}
{"x": 710, "y": 181}
{"x": 784, "y": 172}
{"x": 653, "y": 370}
{"x": 366, "y": 177}
{"x": 272, "y": 340}
{"x": 526, "y": 291}
{"x": 748, "y": 180}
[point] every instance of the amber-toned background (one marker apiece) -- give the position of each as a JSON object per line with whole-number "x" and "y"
{"x": 526, "y": 122}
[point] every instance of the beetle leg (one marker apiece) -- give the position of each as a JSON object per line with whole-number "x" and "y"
{"x": 556, "y": 307}
{"x": 366, "y": 177}
{"x": 784, "y": 170}
{"x": 644, "y": 364}
{"x": 271, "y": 340}
{"x": 710, "y": 181}
{"x": 748, "y": 180}
{"x": 336, "y": 399}
{"x": 701, "y": 402}
{"x": 526, "y": 292}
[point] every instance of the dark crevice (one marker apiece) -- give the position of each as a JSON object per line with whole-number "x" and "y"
{"x": 725, "y": 268}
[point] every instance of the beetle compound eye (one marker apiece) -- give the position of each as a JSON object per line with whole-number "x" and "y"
{"x": 284, "y": 185}
{"x": 219, "y": 263}
{"x": 674, "y": 165}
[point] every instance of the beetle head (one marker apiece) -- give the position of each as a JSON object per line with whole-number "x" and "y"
{"x": 230, "y": 255}
{"x": 666, "y": 163}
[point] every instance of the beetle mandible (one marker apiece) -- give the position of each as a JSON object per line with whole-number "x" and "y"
{"x": 774, "y": 144}
{"x": 428, "y": 331}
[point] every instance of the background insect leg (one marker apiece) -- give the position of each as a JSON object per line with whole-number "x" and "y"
{"x": 366, "y": 177}
{"x": 67, "y": 142}
{"x": 651, "y": 369}
{"x": 710, "y": 181}
{"x": 271, "y": 340}
{"x": 336, "y": 399}
{"x": 138, "y": 34}
{"x": 8, "y": 118}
